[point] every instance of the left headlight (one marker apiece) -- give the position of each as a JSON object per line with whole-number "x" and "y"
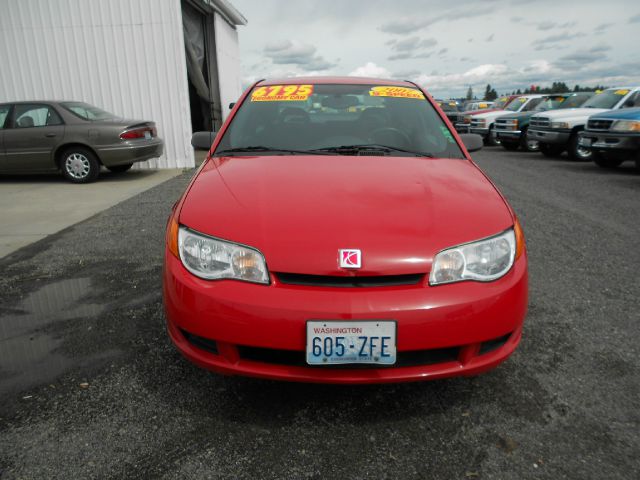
{"x": 564, "y": 125}
{"x": 485, "y": 260}
{"x": 626, "y": 126}
{"x": 214, "y": 259}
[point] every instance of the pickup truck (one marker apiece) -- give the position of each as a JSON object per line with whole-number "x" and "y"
{"x": 483, "y": 123}
{"x": 613, "y": 137}
{"x": 450, "y": 109}
{"x": 511, "y": 129}
{"x": 464, "y": 119}
{"x": 558, "y": 131}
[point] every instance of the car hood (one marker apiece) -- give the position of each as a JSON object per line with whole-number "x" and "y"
{"x": 300, "y": 210}
{"x": 621, "y": 114}
{"x": 518, "y": 115}
{"x": 571, "y": 112}
{"x": 484, "y": 110}
{"x": 491, "y": 115}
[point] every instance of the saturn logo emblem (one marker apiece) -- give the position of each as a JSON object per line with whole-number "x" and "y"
{"x": 350, "y": 258}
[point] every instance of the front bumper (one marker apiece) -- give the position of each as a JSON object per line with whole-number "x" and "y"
{"x": 234, "y": 327}
{"x": 554, "y": 137}
{"x": 462, "y": 127}
{"x": 621, "y": 144}
{"x": 483, "y": 132}
{"x": 508, "y": 135}
{"x": 130, "y": 152}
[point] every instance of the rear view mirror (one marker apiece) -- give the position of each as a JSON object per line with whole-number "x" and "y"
{"x": 231, "y": 105}
{"x": 472, "y": 142}
{"x": 202, "y": 140}
{"x": 340, "y": 102}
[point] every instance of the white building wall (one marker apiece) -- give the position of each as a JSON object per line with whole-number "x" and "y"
{"x": 228, "y": 57}
{"x": 126, "y": 56}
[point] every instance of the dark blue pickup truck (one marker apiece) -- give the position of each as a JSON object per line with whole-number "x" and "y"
{"x": 613, "y": 137}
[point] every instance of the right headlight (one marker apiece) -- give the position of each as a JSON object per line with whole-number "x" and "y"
{"x": 626, "y": 126}
{"x": 214, "y": 259}
{"x": 564, "y": 125}
{"x": 484, "y": 260}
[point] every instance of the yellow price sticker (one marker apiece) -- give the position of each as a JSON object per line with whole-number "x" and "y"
{"x": 398, "y": 92}
{"x": 621, "y": 92}
{"x": 282, "y": 93}
{"x": 522, "y": 99}
{"x": 452, "y": 104}
{"x": 482, "y": 105}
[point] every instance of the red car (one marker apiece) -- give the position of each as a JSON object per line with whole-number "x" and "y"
{"x": 339, "y": 232}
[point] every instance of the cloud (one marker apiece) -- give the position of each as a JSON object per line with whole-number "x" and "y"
{"x": 517, "y": 19}
{"x": 548, "y": 25}
{"x": 303, "y": 55}
{"x": 406, "y": 25}
{"x": 581, "y": 59}
{"x": 635, "y": 19}
{"x": 561, "y": 37}
{"x": 489, "y": 38}
{"x": 602, "y": 27}
{"x": 411, "y": 47}
{"x": 370, "y": 69}
{"x": 443, "y": 51}
{"x": 600, "y": 49}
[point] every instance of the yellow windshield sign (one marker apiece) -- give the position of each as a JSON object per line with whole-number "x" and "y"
{"x": 398, "y": 92}
{"x": 282, "y": 93}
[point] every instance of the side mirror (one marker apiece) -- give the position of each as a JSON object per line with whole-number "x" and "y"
{"x": 231, "y": 105}
{"x": 202, "y": 140}
{"x": 472, "y": 141}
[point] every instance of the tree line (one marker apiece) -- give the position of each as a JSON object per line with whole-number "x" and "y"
{"x": 556, "y": 87}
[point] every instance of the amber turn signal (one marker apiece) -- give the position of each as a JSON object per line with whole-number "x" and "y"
{"x": 172, "y": 236}
{"x": 520, "y": 245}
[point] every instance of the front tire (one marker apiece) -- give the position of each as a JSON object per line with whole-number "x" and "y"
{"x": 529, "y": 144}
{"x": 603, "y": 162}
{"x": 491, "y": 141}
{"x": 551, "y": 150}
{"x": 576, "y": 152}
{"x": 79, "y": 165}
{"x": 512, "y": 147}
{"x": 120, "y": 168}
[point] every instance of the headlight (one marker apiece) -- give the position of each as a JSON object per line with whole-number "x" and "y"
{"x": 483, "y": 261}
{"x": 213, "y": 259}
{"x": 626, "y": 126}
{"x": 559, "y": 125}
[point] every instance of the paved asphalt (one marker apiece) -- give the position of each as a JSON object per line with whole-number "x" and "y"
{"x": 90, "y": 386}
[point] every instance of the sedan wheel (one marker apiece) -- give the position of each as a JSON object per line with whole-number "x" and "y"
{"x": 79, "y": 165}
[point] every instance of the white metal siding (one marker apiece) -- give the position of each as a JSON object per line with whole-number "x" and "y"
{"x": 126, "y": 56}
{"x": 228, "y": 55}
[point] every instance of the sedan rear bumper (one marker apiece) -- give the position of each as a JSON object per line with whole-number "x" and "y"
{"x": 234, "y": 327}
{"x": 130, "y": 152}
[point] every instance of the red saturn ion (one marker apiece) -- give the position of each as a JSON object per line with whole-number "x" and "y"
{"x": 339, "y": 232}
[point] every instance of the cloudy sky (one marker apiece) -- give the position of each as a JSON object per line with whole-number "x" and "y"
{"x": 445, "y": 45}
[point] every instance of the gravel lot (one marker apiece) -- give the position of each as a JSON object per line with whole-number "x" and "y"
{"x": 90, "y": 386}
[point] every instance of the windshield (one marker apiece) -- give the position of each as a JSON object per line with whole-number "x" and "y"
{"x": 299, "y": 119}
{"x": 86, "y": 111}
{"x": 448, "y": 106}
{"x": 554, "y": 102}
{"x": 516, "y": 105}
{"x": 500, "y": 103}
{"x": 607, "y": 99}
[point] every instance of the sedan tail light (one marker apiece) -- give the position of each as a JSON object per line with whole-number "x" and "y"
{"x": 139, "y": 132}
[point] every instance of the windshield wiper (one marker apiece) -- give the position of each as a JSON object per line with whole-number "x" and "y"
{"x": 260, "y": 148}
{"x": 352, "y": 149}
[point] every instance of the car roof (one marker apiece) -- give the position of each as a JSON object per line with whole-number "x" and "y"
{"x": 333, "y": 80}
{"x": 22, "y": 102}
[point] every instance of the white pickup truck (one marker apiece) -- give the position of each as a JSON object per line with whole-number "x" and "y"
{"x": 482, "y": 123}
{"x": 558, "y": 130}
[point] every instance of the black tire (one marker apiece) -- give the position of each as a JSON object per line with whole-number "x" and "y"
{"x": 528, "y": 144}
{"x": 604, "y": 162}
{"x": 576, "y": 152}
{"x": 491, "y": 141}
{"x": 551, "y": 150}
{"x": 120, "y": 168}
{"x": 79, "y": 165}
{"x": 511, "y": 146}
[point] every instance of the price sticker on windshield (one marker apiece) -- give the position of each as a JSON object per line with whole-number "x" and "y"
{"x": 282, "y": 93}
{"x": 398, "y": 92}
{"x": 621, "y": 92}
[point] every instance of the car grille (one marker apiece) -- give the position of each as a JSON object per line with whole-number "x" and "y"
{"x": 599, "y": 124}
{"x": 540, "y": 122}
{"x": 296, "y": 358}
{"x": 350, "y": 281}
{"x": 503, "y": 125}
{"x": 476, "y": 122}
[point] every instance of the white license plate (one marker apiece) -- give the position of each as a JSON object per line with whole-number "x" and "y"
{"x": 585, "y": 142}
{"x": 332, "y": 342}
{"x": 147, "y": 135}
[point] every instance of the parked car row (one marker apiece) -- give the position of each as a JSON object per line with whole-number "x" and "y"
{"x": 72, "y": 137}
{"x": 602, "y": 126}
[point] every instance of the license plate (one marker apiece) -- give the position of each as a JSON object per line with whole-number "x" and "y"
{"x": 147, "y": 135}
{"x": 332, "y": 342}
{"x": 585, "y": 142}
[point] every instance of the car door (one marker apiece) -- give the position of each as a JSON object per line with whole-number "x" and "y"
{"x": 4, "y": 118}
{"x": 34, "y": 131}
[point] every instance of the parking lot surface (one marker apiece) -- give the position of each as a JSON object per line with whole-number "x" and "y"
{"x": 35, "y": 206}
{"x": 90, "y": 386}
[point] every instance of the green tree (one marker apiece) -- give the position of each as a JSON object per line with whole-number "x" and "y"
{"x": 470, "y": 93}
